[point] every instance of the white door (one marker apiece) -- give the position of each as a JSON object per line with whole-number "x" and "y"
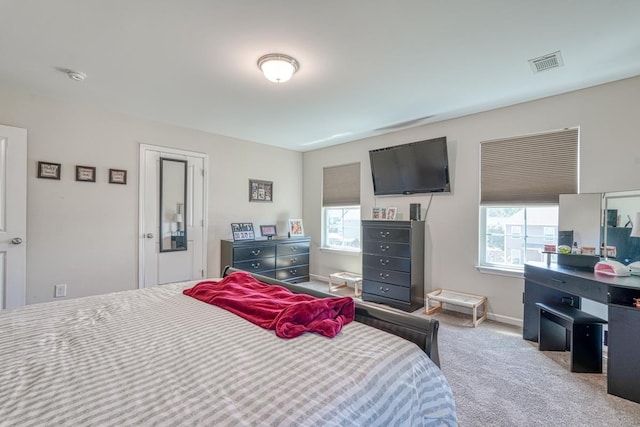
{"x": 159, "y": 267}
{"x": 13, "y": 216}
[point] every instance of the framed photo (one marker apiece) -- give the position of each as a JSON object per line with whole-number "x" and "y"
{"x": 117, "y": 176}
{"x": 379, "y": 213}
{"x": 48, "y": 170}
{"x": 268, "y": 231}
{"x": 260, "y": 191}
{"x": 86, "y": 173}
{"x": 295, "y": 228}
{"x": 391, "y": 213}
{"x": 242, "y": 231}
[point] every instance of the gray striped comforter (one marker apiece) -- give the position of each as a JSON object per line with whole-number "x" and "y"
{"x": 156, "y": 357}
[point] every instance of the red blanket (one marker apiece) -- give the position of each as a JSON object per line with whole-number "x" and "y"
{"x": 275, "y": 307}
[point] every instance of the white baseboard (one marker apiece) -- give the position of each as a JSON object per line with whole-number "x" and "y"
{"x": 492, "y": 316}
{"x": 319, "y": 278}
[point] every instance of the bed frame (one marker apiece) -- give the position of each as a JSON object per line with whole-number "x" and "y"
{"x": 419, "y": 330}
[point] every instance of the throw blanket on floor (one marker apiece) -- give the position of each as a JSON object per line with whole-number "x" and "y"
{"x": 274, "y": 307}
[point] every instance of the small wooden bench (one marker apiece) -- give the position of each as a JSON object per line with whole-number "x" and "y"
{"x": 585, "y": 330}
{"x": 457, "y": 298}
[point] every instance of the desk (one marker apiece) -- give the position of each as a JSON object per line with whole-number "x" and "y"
{"x": 553, "y": 284}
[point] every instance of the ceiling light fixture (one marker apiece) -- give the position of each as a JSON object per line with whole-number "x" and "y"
{"x": 278, "y": 67}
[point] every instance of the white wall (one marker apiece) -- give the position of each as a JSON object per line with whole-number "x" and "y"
{"x": 86, "y": 234}
{"x": 609, "y": 161}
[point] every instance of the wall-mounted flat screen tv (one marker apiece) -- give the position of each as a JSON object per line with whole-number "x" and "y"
{"x": 417, "y": 167}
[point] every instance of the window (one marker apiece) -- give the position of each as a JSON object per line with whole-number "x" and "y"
{"x": 521, "y": 179}
{"x": 342, "y": 228}
{"x": 513, "y": 235}
{"x": 341, "y": 207}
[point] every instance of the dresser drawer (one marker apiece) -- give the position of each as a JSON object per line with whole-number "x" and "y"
{"x": 292, "y": 248}
{"x": 387, "y": 276}
{"x": 386, "y": 262}
{"x": 287, "y": 274}
{"x": 253, "y": 252}
{"x": 291, "y": 260}
{"x": 387, "y": 248}
{"x": 401, "y": 293}
{"x": 401, "y": 235}
{"x": 257, "y": 265}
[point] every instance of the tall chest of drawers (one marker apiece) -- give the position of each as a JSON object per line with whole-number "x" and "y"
{"x": 282, "y": 259}
{"x": 393, "y": 263}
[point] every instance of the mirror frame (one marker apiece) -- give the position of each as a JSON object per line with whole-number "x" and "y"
{"x": 161, "y": 209}
{"x": 634, "y": 255}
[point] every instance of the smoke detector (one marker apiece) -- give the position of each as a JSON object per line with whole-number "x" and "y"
{"x": 73, "y": 75}
{"x": 546, "y": 62}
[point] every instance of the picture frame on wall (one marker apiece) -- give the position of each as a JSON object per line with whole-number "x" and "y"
{"x": 242, "y": 231}
{"x": 86, "y": 173}
{"x": 295, "y": 228}
{"x": 260, "y": 191}
{"x": 117, "y": 176}
{"x": 48, "y": 170}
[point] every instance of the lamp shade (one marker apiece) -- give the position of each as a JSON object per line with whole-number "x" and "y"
{"x": 635, "y": 231}
{"x": 278, "y": 67}
{"x": 178, "y": 217}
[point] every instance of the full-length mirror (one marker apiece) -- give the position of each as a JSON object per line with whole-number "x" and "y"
{"x": 173, "y": 202}
{"x": 620, "y": 231}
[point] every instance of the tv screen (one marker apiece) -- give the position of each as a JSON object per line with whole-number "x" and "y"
{"x": 417, "y": 167}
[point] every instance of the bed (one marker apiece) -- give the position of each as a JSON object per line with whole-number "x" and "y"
{"x": 157, "y": 357}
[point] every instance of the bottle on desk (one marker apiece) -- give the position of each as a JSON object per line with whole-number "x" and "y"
{"x": 575, "y": 250}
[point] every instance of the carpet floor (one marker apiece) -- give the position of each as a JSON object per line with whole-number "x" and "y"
{"x": 499, "y": 379}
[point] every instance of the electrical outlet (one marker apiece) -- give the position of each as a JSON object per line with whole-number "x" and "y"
{"x": 60, "y": 290}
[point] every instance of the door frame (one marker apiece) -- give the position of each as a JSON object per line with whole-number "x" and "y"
{"x": 13, "y": 292}
{"x": 144, "y": 148}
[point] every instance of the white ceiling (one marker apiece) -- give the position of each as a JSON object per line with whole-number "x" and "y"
{"x": 364, "y": 64}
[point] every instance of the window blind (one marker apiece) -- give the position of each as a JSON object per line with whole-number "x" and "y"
{"x": 341, "y": 185}
{"x": 530, "y": 169}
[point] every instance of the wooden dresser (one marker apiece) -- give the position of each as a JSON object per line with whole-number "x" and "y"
{"x": 283, "y": 259}
{"x": 393, "y": 263}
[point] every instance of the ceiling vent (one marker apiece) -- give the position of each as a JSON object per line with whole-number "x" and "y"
{"x": 547, "y": 62}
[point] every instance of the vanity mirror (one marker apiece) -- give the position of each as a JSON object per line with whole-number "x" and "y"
{"x": 619, "y": 216}
{"x": 173, "y": 202}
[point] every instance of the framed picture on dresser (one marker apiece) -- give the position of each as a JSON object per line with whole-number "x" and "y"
{"x": 242, "y": 231}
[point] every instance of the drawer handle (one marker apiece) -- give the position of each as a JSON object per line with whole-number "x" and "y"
{"x": 384, "y": 248}
{"x": 255, "y": 265}
{"x": 385, "y": 290}
{"x": 384, "y": 275}
{"x": 558, "y": 280}
{"x": 294, "y": 260}
{"x": 294, "y": 249}
{"x": 293, "y": 272}
{"x": 384, "y": 261}
{"x": 384, "y": 234}
{"x": 256, "y": 252}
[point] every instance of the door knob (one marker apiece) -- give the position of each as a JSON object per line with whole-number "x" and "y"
{"x": 16, "y": 241}
{"x": 149, "y": 236}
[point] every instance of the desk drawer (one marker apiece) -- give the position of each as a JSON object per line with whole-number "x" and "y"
{"x": 387, "y": 276}
{"x": 257, "y": 265}
{"x": 253, "y": 252}
{"x": 401, "y": 293}
{"x": 579, "y": 286}
{"x": 387, "y": 248}
{"x": 400, "y": 235}
{"x": 387, "y": 262}
{"x": 292, "y": 248}
{"x": 291, "y": 260}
